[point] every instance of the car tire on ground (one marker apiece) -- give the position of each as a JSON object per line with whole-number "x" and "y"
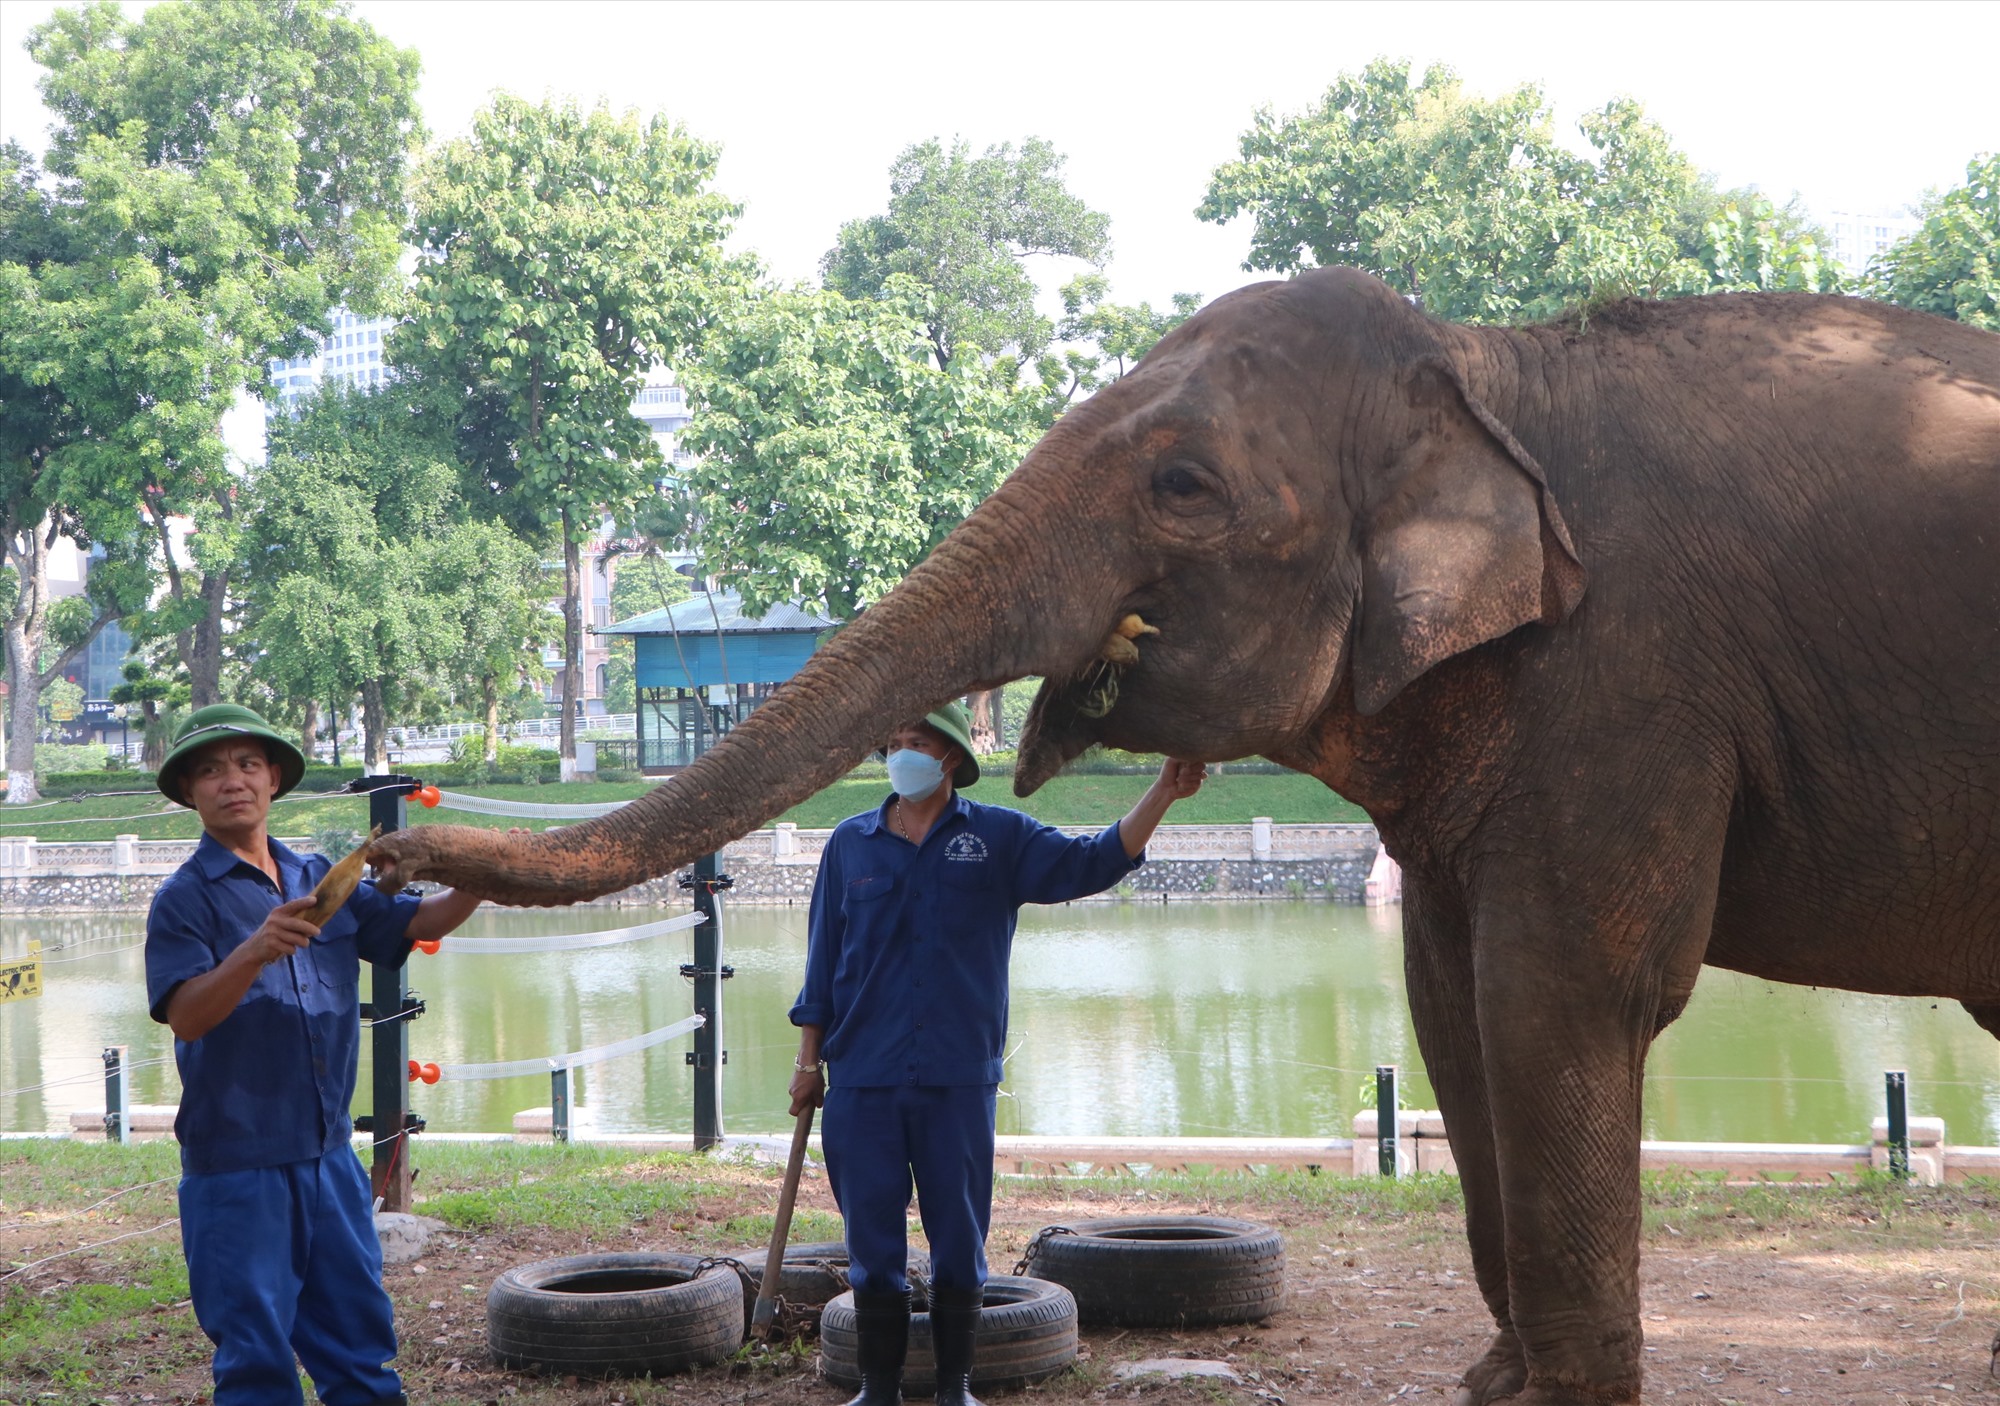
{"x": 813, "y": 1272}
{"x": 1027, "y": 1333}
{"x": 1164, "y": 1271}
{"x": 614, "y": 1315}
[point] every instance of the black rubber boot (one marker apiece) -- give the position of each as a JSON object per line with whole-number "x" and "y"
{"x": 954, "y": 1324}
{"x": 881, "y": 1342}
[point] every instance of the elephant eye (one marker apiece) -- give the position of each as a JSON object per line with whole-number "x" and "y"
{"x": 1187, "y": 490}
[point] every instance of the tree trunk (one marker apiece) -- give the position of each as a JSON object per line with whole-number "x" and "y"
{"x": 204, "y": 657}
{"x": 309, "y": 730}
{"x": 374, "y": 729}
{"x": 572, "y": 669}
{"x": 152, "y": 737}
{"x": 29, "y": 554}
{"x": 489, "y": 688}
{"x": 988, "y": 734}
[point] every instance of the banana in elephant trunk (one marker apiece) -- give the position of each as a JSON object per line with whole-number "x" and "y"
{"x": 957, "y": 623}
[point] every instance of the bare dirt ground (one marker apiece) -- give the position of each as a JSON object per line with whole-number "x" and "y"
{"x": 1789, "y": 1297}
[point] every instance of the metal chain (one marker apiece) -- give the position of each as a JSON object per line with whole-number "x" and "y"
{"x": 708, "y": 1262}
{"x": 1028, "y": 1255}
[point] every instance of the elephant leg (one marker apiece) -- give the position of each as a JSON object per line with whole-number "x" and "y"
{"x": 1437, "y": 971}
{"x": 1575, "y": 967}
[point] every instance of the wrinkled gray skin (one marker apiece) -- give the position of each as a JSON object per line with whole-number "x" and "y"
{"x": 1671, "y": 640}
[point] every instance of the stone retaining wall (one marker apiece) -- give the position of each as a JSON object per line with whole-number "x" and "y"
{"x": 1259, "y": 860}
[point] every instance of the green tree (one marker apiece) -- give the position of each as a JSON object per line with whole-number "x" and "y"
{"x": 503, "y": 613}
{"x": 157, "y": 699}
{"x": 961, "y": 225}
{"x": 1475, "y": 208}
{"x": 222, "y": 175}
{"x": 642, "y": 579}
{"x": 1100, "y": 341}
{"x": 564, "y": 253}
{"x": 86, "y": 385}
{"x": 359, "y": 574}
{"x": 1950, "y": 266}
{"x": 833, "y": 452}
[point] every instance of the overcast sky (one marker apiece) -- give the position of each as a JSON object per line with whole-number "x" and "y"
{"x": 1853, "y": 106}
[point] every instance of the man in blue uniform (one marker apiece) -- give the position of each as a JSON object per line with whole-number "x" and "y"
{"x": 276, "y": 1212}
{"x": 904, "y": 1013}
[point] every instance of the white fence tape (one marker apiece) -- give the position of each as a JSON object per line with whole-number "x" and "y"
{"x": 568, "y": 942}
{"x": 532, "y": 810}
{"x": 514, "y": 1068}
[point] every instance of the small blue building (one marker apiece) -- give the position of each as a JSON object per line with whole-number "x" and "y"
{"x": 703, "y": 666}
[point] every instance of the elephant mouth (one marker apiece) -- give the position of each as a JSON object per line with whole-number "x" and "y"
{"x": 1069, "y": 712}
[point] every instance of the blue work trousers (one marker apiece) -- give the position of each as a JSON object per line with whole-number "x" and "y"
{"x": 283, "y": 1263}
{"x": 879, "y": 1142}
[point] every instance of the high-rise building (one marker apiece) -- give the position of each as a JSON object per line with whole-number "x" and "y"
{"x": 1858, "y": 238}
{"x": 350, "y": 354}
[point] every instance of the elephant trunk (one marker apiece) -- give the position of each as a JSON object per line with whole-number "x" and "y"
{"x": 959, "y": 621}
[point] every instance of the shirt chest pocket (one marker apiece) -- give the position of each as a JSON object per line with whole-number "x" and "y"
{"x": 337, "y": 964}
{"x": 864, "y": 893}
{"x": 967, "y": 876}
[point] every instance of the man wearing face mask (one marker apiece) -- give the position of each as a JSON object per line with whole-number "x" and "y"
{"x": 903, "y": 1018}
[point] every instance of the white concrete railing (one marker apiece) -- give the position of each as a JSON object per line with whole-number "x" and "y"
{"x": 25, "y": 857}
{"x": 1421, "y": 1147}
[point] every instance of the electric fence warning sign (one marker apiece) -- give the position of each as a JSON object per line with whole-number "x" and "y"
{"x": 22, "y": 978}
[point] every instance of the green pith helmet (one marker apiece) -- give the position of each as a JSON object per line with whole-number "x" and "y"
{"x": 950, "y": 719}
{"x": 217, "y": 723}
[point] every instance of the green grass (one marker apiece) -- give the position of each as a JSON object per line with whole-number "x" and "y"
{"x": 100, "y": 1321}
{"x": 1287, "y": 798}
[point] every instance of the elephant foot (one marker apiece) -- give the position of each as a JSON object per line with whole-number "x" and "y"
{"x": 1498, "y": 1376}
{"x": 1501, "y": 1376}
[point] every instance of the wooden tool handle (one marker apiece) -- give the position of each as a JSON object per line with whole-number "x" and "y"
{"x": 774, "y": 1260}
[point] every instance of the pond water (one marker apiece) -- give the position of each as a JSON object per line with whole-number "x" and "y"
{"x": 1189, "y": 1019}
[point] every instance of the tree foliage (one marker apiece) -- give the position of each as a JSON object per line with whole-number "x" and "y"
{"x": 961, "y": 225}
{"x": 1474, "y": 207}
{"x": 1950, "y": 266}
{"x": 221, "y": 175}
{"x": 360, "y": 574}
{"x": 1101, "y": 341}
{"x": 833, "y": 451}
{"x": 564, "y": 252}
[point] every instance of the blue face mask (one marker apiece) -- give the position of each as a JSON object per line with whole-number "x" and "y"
{"x": 913, "y": 774}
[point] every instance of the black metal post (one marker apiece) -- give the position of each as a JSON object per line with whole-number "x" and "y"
{"x": 333, "y": 717}
{"x": 559, "y": 1100}
{"x": 117, "y": 1095}
{"x": 1897, "y": 1082}
{"x": 1385, "y": 1119}
{"x": 389, "y": 1169}
{"x": 708, "y": 1055}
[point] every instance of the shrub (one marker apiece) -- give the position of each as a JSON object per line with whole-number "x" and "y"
{"x": 56, "y": 758}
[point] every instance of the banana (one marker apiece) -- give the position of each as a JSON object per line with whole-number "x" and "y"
{"x": 1118, "y": 649}
{"x": 340, "y": 882}
{"x": 1131, "y": 627}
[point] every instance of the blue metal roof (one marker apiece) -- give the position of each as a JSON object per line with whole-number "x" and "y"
{"x": 678, "y": 647}
{"x": 721, "y": 610}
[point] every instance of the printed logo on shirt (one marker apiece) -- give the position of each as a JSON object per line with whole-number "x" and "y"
{"x": 966, "y": 849}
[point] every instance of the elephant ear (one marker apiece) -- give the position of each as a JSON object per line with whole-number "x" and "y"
{"x": 1461, "y": 542}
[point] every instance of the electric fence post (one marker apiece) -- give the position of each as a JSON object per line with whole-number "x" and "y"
{"x": 1386, "y": 1119}
{"x": 1896, "y": 1085}
{"x": 391, "y": 1010}
{"x": 708, "y": 973}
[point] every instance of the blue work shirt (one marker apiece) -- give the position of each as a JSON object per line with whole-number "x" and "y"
{"x": 906, "y": 959}
{"x": 273, "y": 1082}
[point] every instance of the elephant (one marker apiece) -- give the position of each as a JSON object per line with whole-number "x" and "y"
{"x": 1661, "y": 636}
